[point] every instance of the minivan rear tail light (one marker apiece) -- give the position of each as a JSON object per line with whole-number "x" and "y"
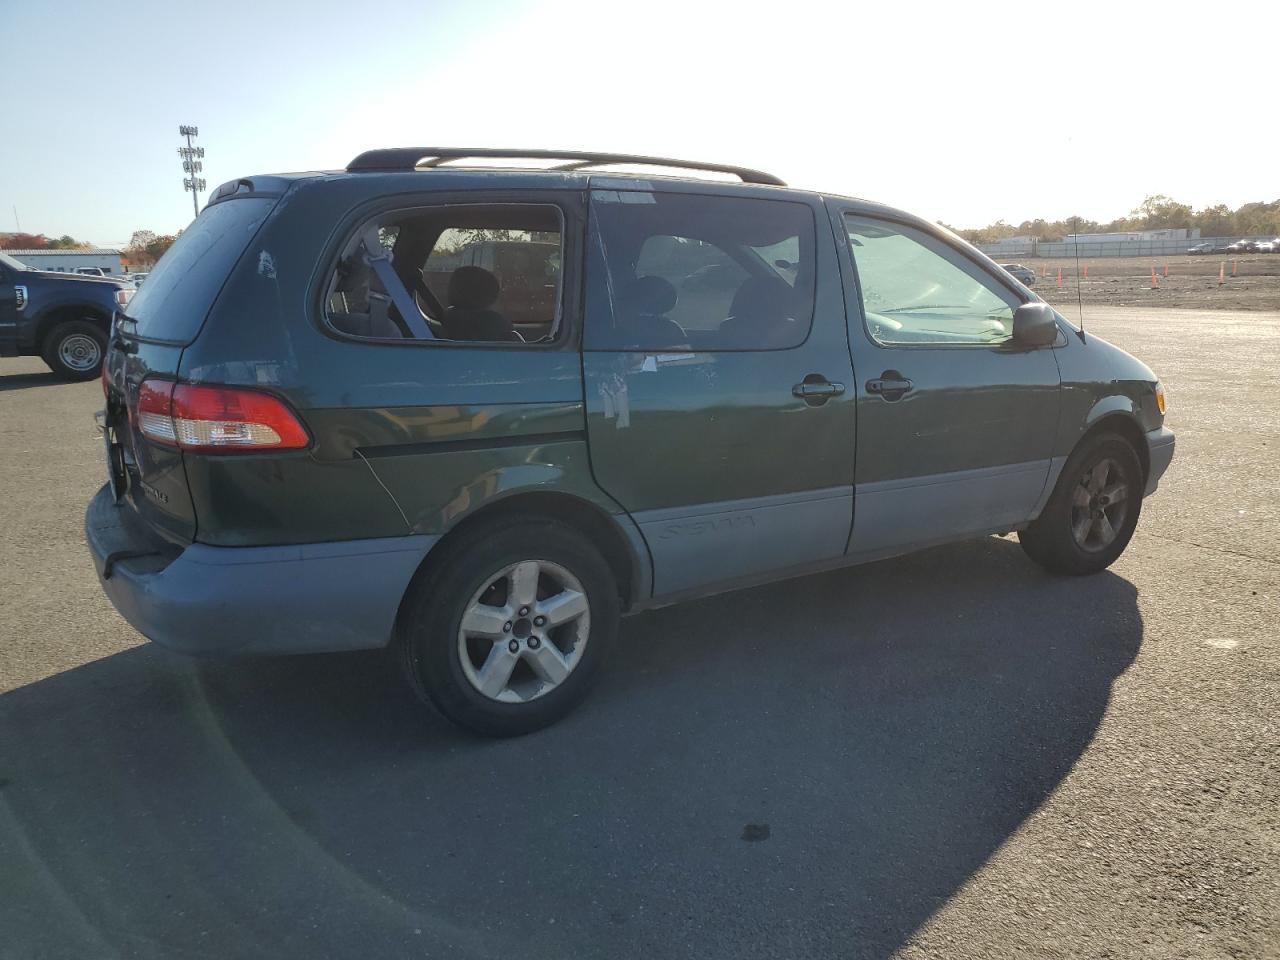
{"x": 216, "y": 419}
{"x": 155, "y": 411}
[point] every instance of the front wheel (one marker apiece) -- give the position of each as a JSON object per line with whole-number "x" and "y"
{"x": 1092, "y": 512}
{"x": 74, "y": 350}
{"x": 505, "y": 632}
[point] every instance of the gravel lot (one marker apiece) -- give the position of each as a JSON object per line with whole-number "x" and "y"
{"x": 946, "y": 755}
{"x": 1192, "y": 282}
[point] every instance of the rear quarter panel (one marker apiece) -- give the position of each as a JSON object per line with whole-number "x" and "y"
{"x": 408, "y": 437}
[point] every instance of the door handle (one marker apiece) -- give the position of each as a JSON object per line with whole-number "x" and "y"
{"x": 891, "y": 385}
{"x": 816, "y": 390}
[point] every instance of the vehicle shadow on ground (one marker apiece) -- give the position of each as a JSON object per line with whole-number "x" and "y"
{"x": 20, "y": 381}
{"x": 808, "y": 769}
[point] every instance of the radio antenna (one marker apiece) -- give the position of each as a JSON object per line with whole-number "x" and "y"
{"x": 1075, "y": 236}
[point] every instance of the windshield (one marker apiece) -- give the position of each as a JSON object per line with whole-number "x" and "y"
{"x": 11, "y": 263}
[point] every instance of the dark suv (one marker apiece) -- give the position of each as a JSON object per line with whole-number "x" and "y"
{"x": 64, "y": 318}
{"x": 329, "y": 425}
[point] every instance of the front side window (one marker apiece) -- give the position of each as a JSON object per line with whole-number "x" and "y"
{"x": 685, "y": 272}
{"x": 467, "y": 273}
{"x": 915, "y": 291}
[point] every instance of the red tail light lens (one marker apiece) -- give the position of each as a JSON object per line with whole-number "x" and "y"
{"x": 154, "y": 416}
{"x": 217, "y": 419}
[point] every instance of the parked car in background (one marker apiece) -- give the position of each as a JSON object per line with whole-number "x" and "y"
{"x": 1242, "y": 246}
{"x": 137, "y": 279}
{"x": 64, "y": 318}
{"x": 1267, "y": 246}
{"x": 1024, "y": 275}
{"x": 1205, "y": 246}
{"x": 310, "y": 448}
{"x": 92, "y": 272}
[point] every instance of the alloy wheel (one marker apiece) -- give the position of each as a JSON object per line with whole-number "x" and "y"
{"x": 1099, "y": 505}
{"x": 524, "y": 631}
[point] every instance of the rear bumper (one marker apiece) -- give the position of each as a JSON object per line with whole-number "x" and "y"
{"x": 1160, "y": 454}
{"x": 308, "y": 598}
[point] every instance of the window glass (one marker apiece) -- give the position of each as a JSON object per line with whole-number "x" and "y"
{"x": 525, "y": 263}
{"x": 184, "y": 284}
{"x": 916, "y": 291}
{"x": 699, "y": 273}
{"x": 464, "y": 273}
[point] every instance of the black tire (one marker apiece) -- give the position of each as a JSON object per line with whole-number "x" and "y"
{"x": 1050, "y": 540}
{"x": 72, "y": 334}
{"x": 430, "y": 622}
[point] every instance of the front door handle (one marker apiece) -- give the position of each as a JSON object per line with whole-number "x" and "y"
{"x": 816, "y": 389}
{"x": 891, "y": 385}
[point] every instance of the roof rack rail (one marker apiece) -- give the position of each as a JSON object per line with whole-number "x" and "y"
{"x": 410, "y": 158}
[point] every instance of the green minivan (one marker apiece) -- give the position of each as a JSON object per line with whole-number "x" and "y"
{"x": 474, "y": 411}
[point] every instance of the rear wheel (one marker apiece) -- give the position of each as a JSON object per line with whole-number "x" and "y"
{"x": 74, "y": 350}
{"x": 1093, "y": 511}
{"x": 506, "y": 631}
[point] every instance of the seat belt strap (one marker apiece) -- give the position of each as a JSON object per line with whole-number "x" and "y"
{"x": 375, "y": 255}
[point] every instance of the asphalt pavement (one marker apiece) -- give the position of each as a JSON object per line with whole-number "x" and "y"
{"x": 951, "y": 754}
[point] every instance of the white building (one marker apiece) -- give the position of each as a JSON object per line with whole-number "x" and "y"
{"x": 1024, "y": 246}
{"x": 1172, "y": 235}
{"x": 66, "y": 261}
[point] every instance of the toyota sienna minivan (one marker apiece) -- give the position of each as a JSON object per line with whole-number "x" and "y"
{"x": 475, "y": 413}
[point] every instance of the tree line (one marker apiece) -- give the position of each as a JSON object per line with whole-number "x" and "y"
{"x": 144, "y": 249}
{"x": 1156, "y": 212}
{"x": 38, "y": 241}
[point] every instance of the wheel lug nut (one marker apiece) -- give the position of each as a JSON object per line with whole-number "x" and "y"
{"x": 539, "y": 621}
{"x": 534, "y": 643}
{"x": 514, "y": 646}
{"x": 507, "y": 626}
{"x": 524, "y": 611}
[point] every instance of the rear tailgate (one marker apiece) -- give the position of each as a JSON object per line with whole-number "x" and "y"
{"x": 147, "y": 344}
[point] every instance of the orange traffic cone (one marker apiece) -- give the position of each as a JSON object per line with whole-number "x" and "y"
{"x": 1086, "y": 271}
{"x": 1059, "y": 278}
{"x": 1166, "y": 271}
{"x": 1234, "y": 264}
{"x": 1155, "y": 284}
{"x": 1222, "y": 273}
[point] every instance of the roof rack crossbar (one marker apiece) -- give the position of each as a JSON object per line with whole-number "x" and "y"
{"x": 410, "y": 158}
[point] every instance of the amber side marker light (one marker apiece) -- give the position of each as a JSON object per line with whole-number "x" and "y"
{"x": 1160, "y": 398}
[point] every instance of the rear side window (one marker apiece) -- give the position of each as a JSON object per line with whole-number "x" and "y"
{"x": 464, "y": 273}
{"x": 180, "y": 290}
{"x": 686, "y": 272}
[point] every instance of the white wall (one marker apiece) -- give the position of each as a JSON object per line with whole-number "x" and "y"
{"x": 66, "y": 261}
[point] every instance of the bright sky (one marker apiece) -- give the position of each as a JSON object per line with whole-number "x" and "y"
{"x": 960, "y": 112}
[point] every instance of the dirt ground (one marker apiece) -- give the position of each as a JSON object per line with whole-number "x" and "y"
{"x": 1192, "y": 282}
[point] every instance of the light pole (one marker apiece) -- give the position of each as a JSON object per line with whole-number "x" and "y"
{"x": 191, "y": 165}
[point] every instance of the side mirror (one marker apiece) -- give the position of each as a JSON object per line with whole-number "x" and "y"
{"x": 1034, "y": 325}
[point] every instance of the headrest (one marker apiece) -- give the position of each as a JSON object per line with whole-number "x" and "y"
{"x": 649, "y": 295}
{"x": 766, "y": 297}
{"x": 472, "y": 288}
